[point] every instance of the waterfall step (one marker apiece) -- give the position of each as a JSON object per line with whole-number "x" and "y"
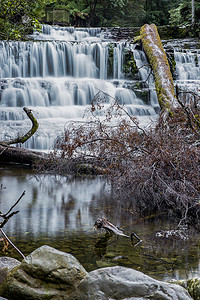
{"x": 59, "y": 74}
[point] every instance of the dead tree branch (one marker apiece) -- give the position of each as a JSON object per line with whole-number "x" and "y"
{"x": 25, "y": 137}
{"x": 11, "y": 243}
{"x": 6, "y": 217}
{"x": 9, "y": 214}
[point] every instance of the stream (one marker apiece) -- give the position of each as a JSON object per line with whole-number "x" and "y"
{"x": 61, "y": 213}
{"x": 57, "y": 75}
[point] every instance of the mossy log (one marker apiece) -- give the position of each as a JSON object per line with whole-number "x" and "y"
{"x": 162, "y": 75}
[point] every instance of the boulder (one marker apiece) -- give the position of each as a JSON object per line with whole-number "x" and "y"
{"x": 117, "y": 283}
{"x": 51, "y": 274}
{"x": 6, "y": 265}
{"x": 44, "y": 274}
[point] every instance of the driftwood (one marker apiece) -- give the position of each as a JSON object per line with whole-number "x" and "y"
{"x": 103, "y": 223}
{"x": 153, "y": 48}
{"x": 21, "y": 155}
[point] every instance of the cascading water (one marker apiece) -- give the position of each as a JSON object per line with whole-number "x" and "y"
{"x": 58, "y": 74}
{"x": 187, "y": 69}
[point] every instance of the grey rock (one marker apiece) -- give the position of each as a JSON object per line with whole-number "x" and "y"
{"x": 51, "y": 274}
{"x": 44, "y": 274}
{"x": 6, "y": 265}
{"x": 117, "y": 283}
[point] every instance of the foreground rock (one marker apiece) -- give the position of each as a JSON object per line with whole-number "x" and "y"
{"x": 51, "y": 274}
{"x": 124, "y": 283}
{"x": 44, "y": 274}
{"x": 6, "y": 265}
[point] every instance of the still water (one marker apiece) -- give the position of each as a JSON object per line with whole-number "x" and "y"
{"x": 61, "y": 212}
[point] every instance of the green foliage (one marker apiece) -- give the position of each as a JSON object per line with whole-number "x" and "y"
{"x": 182, "y": 15}
{"x": 157, "y": 11}
{"x": 18, "y": 18}
{"x": 129, "y": 13}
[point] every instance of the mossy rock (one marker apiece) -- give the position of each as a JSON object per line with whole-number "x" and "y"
{"x": 191, "y": 285}
{"x": 129, "y": 65}
{"x": 44, "y": 274}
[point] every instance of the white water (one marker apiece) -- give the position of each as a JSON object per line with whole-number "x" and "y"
{"x": 57, "y": 76}
{"x": 188, "y": 70}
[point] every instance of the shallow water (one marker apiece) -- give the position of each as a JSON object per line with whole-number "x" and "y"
{"x": 61, "y": 213}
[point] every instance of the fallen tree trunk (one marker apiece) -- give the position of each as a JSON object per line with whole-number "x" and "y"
{"x": 10, "y": 154}
{"x": 162, "y": 75}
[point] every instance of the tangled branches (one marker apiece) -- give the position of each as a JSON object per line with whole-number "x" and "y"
{"x": 156, "y": 168}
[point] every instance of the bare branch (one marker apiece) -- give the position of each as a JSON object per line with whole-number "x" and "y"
{"x": 25, "y": 137}
{"x": 11, "y": 243}
{"x": 5, "y": 215}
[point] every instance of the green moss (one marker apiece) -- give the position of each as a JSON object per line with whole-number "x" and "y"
{"x": 143, "y": 95}
{"x": 171, "y": 32}
{"x": 129, "y": 65}
{"x": 196, "y": 61}
{"x": 150, "y": 37}
{"x": 137, "y": 39}
{"x": 192, "y": 286}
{"x": 110, "y": 60}
{"x": 172, "y": 63}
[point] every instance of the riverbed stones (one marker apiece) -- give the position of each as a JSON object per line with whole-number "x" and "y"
{"x": 123, "y": 283}
{"x": 6, "y": 265}
{"x": 44, "y": 274}
{"x": 51, "y": 274}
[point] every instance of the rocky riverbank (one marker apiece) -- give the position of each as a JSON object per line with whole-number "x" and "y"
{"x": 51, "y": 274}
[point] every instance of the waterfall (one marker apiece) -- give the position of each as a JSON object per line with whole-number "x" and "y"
{"x": 188, "y": 70}
{"x": 57, "y": 75}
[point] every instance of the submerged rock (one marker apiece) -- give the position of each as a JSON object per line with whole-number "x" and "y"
{"x": 44, "y": 274}
{"x": 124, "y": 283}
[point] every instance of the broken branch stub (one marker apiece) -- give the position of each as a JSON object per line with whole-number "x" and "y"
{"x": 103, "y": 223}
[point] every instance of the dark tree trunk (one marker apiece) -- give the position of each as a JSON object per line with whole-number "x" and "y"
{"x": 10, "y": 154}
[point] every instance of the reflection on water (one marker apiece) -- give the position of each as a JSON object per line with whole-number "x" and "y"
{"x": 51, "y": 204}
{"x": 61, "y": 213}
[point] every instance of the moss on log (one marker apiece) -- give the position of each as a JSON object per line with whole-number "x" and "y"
{"x": 10, "y": 154}
{"x": 25, "y": 137}
{"x": 163, "y": 78}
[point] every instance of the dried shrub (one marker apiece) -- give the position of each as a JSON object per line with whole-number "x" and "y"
{"x": 156, "y": 168}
